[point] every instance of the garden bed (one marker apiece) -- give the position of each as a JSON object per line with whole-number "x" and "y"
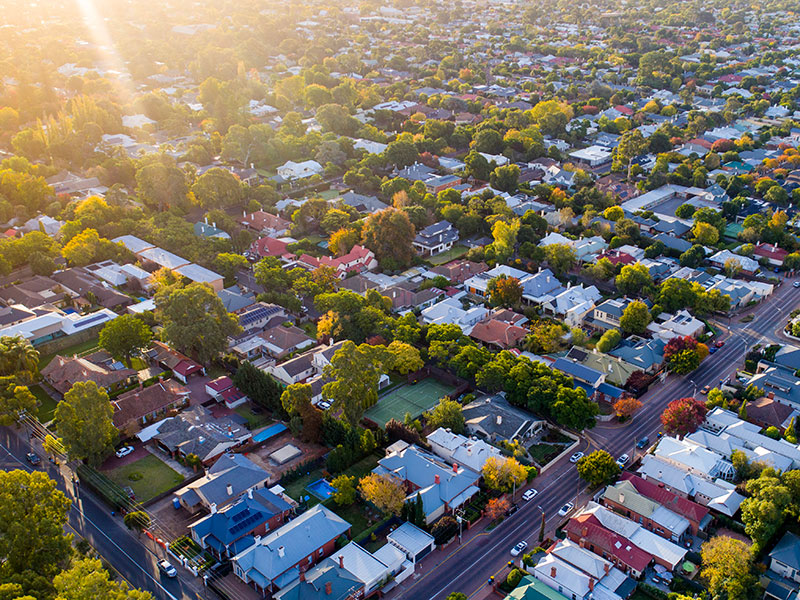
{"x": 544, "y": 453}
{"x": 187, "y": 548}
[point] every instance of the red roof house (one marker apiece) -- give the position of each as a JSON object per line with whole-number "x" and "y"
{"x": 586, "y": 530}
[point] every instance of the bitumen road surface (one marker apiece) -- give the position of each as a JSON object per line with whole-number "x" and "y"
{"x": 468, "y": 567}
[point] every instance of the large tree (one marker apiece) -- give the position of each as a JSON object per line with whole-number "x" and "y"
{"x": 125, "y": 336}
{"x": 683, "y": 416}
{"x": 504, "y": 290}
{"x": 560, "y": 257}
{"x": 728, "y": 569}
{"x": 259, "y": 386}
{"x": 18, "y": 358}
{"x": 635, "y": 318}
{"x": 504, "y": 474}
{"x": 446, "y": 414}
{"x": 384, "y": 492}
{"x": 195, "y": 320}
{"x": 403, "y": 358}
{"x": 84, "y": 420}
{"x": 86, "y": 579}
{"x": 389, "y": 233}
{"x": 598, "y": 468}
{"x": 218, "y": 188}
{"x": 354, "y": 373}
{"x": 16, "y": 401}
{"x": 633, "y": 279}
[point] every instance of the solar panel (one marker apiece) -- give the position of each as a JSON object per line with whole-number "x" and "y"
{"x": 90, "y": 320}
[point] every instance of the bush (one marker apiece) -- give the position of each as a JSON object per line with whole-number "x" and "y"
{"x": 444, "y": 529}
{"x": 514, "y": 578}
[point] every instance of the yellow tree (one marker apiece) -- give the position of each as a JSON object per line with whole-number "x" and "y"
{"x": 404, "y": 358}
{"x": 626, "y": 406}
{"x": 728, "y": 568}
{"x": 503, "y": 474}
{"x": 384, "y": 492}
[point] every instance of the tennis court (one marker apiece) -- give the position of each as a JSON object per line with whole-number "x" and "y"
{"x": 410, "y": 398}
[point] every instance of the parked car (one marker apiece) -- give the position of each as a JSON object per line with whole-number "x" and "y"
{"x": 622, "y": 461}
{"x": 655, "y": 579}
{"x": 576, "y": 457}
{"x": 167, "y": 569}
{"x": 565, "y": 509}
{"x": 712, "y": 349}
{"x": 721, "y": 344}
{"x": 519, "y": 548}
{"x": 529, "y": 495}
{"x": 796, "y": 284}
{"x": 705, "y": 390}
{"x": 33, "y": 458}
{"x": 124, "y": 451}
{"x": 643, "y": 443}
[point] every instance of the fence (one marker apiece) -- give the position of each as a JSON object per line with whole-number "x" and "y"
{"x": 461, "y": 386}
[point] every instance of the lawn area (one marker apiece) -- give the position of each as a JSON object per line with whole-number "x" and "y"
{"x": 445, "y": 257}
{"x": 76, "y": 349}
{"x": 544, "y": 453}
{"x": 47, "y": 405}
{"x": 148, "y": 477}
{"x": 297, "y": 488}
{"x": 138, "y": 363}
{"x": 328, "y": 194}
{"x": 353, "y": 514}
{"x": 254, "y": 420}
{"x": 310, "y": 328}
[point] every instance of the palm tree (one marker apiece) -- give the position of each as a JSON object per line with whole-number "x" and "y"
{"x": 18, "y": 357}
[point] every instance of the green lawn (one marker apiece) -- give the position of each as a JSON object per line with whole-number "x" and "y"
{"x": 76, "y": 349}
{"x": 47, "y": 405}
{"x": 328, "y": 194}
{"x": 445, "y": 257}
{"x": 353, "y": 514}
{"x": 138, "y": 363}
{"x": 156, "y": 477}
{"x": 544, "y": 453}
{"x": 254, "y": 420}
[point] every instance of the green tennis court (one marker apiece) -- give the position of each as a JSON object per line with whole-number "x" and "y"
{"x": 410, "y": 398}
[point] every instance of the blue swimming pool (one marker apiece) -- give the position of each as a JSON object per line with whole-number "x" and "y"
{"x": 321, "y": 489}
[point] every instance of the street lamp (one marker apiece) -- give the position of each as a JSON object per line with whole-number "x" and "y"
{"x": 694, "y": 386}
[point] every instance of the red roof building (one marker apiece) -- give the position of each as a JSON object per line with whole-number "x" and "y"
{"x": 696, "y": 514}
{"x": 357, "y": 260}
{"x": 268, "y": 246}
{"x": 586, "y": 530}
{"x": 772, "y": 253}
{"x": 498, "y": 334}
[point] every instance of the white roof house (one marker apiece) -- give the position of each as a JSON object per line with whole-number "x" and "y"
{"x": 573, "y": 304}
{"x": 720, "y": 258}
{"x": 681, "y": 324}
{"x": 163, "y": 258}
{"x": 363, "y": 565}
{"x": 694, "y": 458}
{"x": 199, "y": 274}
{"x": 460, "y": 450}
{"x": 412, "y": 541}
{"x": 450, "y": 311}
{"x": 292, "y": 171}
{"x": 133, "y": 243}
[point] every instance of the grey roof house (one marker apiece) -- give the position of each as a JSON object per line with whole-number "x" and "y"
{"x": 435, "y": 239}
{"x": 230, "y": 477}
{"x": 493, "y": 418}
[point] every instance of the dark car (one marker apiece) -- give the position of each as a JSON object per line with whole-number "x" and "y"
{"x": 643, "y": 443}
{"x": 33, "y": 458}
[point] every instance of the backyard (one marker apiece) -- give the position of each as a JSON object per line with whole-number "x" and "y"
{"x": 148, "y": 477}
{"x": 77, "y": 349}
{"x": 255, "y": 420}
{"x": 47, "y": 405}
{"x": 411, "y": 398}
{"x": 445, "y": 257}
{"x": 297, "y": 488}
{"x": 544, "y": 453}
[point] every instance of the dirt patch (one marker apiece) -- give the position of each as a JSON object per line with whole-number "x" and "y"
{"x": 260, "y": 455}
{"x": 174, "y": 522}
{"x": 737, "y": 536}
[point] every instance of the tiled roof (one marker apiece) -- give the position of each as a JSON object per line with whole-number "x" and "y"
{"x": 587, "y": 526}
{"x": 677, "y": 504}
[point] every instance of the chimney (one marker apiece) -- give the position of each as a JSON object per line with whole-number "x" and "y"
{"x": 553, "y": 572}
{"x": 281, "y": 551}
{"x": 213, "y": 508}
{"x": 229, "y": 489}
{"x": 607, "y": 567}
{"x": 499, "y": 419}
{"x": 436, "y": 479}
{"x": 341, "y": 561}
{"x": 455, "y": 467}
{"x": 328, "y": 588}
{"x": 583, "y": 543}
{"x": 584, "y": 532}
{"x": 250, "y": 493}
{"x": 591, "y": 584}
{"x": 771, "y": 395}
{"x": 302, "y": 575}
{"x": 622, "y": 498}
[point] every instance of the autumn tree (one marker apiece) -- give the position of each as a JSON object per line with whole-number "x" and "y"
{"x": 446, "y": 414}
{"x": 504, "y": 474}
{"x": 598, "y": 468}
{"x": 389, "y": 234}
{"x": 345, "y": 486}
{"x": 626, "y": 406}
{"x": 683, "y": 416}
{"x": 86, "y": 579}
{"x": 385, "y": 492}
{"x": 504, "y": 290}
{"x": 728, "y": 569}
{"x": 497, "y": 507}
{"x": 84, "y": 421}
{"x": 125, "y": 336}
{"x": 403, "y": 358}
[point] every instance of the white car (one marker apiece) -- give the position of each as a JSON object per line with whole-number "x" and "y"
{"x": 622, "y": 461}
{"x": 529, "y": 495}
{"x": 124, "y": 451}
{"x": 576, "y": 457}
{"x": 165, "y": 567}
{"x": 519, "y": 548}
{"x": 565, "y": 509}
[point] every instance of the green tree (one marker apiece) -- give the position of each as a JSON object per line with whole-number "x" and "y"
{"x": 560, "y": 257}
{"x": 684, "y": 362}
{"x": 573, "y": 409}
{"x": 296, "y": 397}
{"x": 125, "y": 336}
{"x": 505, "y": 238}
{"x": 16, "y": 401}
{"x": 162, "y": 185}
{"x": 551, "y": 116}
{"x": 354, "y": 373}
{"x": 633, "y": 279}
{"x": 598, "y": 468}
{"x": 18, "y": 358}
{"x": 401, "y": 153}
{"x": 477, "y": 166}
{"x": 137, "y": 520}
{"x": 86, "y": 579}
{"x": 259, "y": 386}
{"x": 195, "y": 320}
{"x": 389, "y": 234}
{"x": 84, "y": 420}
{"x": 764, "y": 512}
{"x": 446, "y": 414}
{"x": 345, "y": 486}
{"x": 631, "y": 145}
{"x": 705, "y": 233}
{"x": 218, "y": 188}
{"x": 728, "y": 569}
{"x": 229, "y": 264}
{"x": 504, "y": 291}
{"x": 403, "y": 358}
{"x": 635, "y": 318}
{"x": 608, "y": 341}
{"x": 505, "y": 178}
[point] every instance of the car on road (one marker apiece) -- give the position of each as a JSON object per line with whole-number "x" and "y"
{"x": 529, "y": 495}
{"x": 576, "y": 457}
{"x": 643, "y": 443}
{"x": 796, "y": 284}
{"x": 565, "y": 509}
{"x": 33, "y": 458}
{"x": 622, "y": 461}
{"x": 705, "y": 390}
{"x": 124, "y": 451}
{"x": 167, "y": 569}
{"x": 712, "y": 349}
{"x": 720, "y": 344}
{"x": 519, "y": 548}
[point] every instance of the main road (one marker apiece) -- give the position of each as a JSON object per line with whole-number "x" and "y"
{"x": 467, "y": 567}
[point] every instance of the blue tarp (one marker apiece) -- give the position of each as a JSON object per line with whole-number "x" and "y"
{"x": 269, "y": 432}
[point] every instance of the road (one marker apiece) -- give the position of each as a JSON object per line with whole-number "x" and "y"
{"x": 467, "y": 568}
{"x": 91, "y": 519}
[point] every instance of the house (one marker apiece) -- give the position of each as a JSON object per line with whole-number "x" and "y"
{"x": 530, "y": 588}
{"x": 494, "y": 419}
{"x": 137, "y": 408}
{"x": 280, "y": 341}
{"x": 292, "y": 171}
{"x": 593, "y": 158}
{"x": 294, "y": 370}
{"x": 769, "y": 412}
{"x": 325, "y": 581}
{"x": 785, "y": 557}
{"x": 51, "y": 324}
{"x": 228, "y": 531}
{"x": 573, "y": 304}
{"x": 607, "y": 314}
{"x": 362, "y": 203}
{"x": 210, "y": 230}
{"x": 265, "y": 223}
{"x": 774, "y": 255}
{"x": 257, "y": 316}
{"x": 479, "y": 283}
{"x": 458, "y": 271}
{"x": 270, "y": 246}
{"x": 223, "y": 390}
{"x": 624, "y": 499}
{"x": 357, "y": 260}
{"x": 498, "y": 334}
{"x": 405, "y": 296}
{"x": 441, "y": 488}
{"x": 681, "y": 324}
{"x": 197, "y": 274}
{"x": 230, "y": 477}
{"x": 644, "y": 355}
{"x": 63, "y": 372}
{"x": 586, "y": 531}
{"x": 196, "y": 431}
{"x": 581, "y": 374}
{"x": 451, "y": 311}
{"x": 435, "y": 239}
{"x": 276, "y": 560}
{"x": 365, "y": 566}
{"x": 36, "y": 291}
{"x": 412, "y": 541}
{"x": 86, "y": 289}
{"x": 457, "y": 449}
{"x": 749, "y": 266}
{"x": 181, "y": 365}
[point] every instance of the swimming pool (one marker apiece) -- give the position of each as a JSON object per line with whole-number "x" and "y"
{"x": 321, "y": 489}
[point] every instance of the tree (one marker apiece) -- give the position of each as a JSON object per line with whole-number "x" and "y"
{"x": 342, "y": 241}
{"x": 728, "y": 569}
{"x": 456, "y": 596}
{"x": 497, "y": 507}
{"x": 477, "y": 166}
{"x": 354, "y": 373}
{"x": 137, "y": 520}
{"x": 608, "y": 341}
{"x": 86, "y": 579}
{"x": 598, "y": 468}
{"x": 18, "y": 358}
{"x": 345, "y": 486}
{"x": 336, "y": 118}
{"x": 33, "y": 514}
{"x": 683, "y": 416}
{"x": 560, "y": 257}
{"x": 162, "y": 185}
{"x": 505, "y": 178}
{"x": 573, "y": 408}
{"x": 705, "y": 233}
{"x": 401, "y": 153}
{"x": 633, "y": 279}
{"x": 693, "y": 257}
{"x": 446, "y": 414}
{"x": 684, "y": 362}
{"x": 125, "y": 336}
{"x": 295, "y": 398}
{"x": 504, "y": 290}
{"x": 85, "y": 425}
{"x": 218, "y": 188}
{"x": 389, "y": 233}
{"x": 732, "y": 266}
{"x": 635, "y": 318}
{"x": 259, "y": 386}
{"x": 503, "y": 475}
{"x": 505, "y": 238}
{"x": 488, "y": 141}
{"x": 16, "y": 401}
{"x": 88, "y": 247}
{"x": 229, "y": 264}
{"x": 631, "y": 145}
{"x": 626, "y": 406}
{"x": 551, "y": 116}
{"x": 195, "y": 320}
{"x": 764, "y": 512}
{"x": 385, "y": 492}
{"x": 403, "y": 358}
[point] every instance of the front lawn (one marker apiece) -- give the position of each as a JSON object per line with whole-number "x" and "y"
{"x": 544, "y": 453}
{"x": 148, "y": 477}
{"x": 445, "y": 257}
{"x": 77, "y": 349}
{"x": 47, "y": 406}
